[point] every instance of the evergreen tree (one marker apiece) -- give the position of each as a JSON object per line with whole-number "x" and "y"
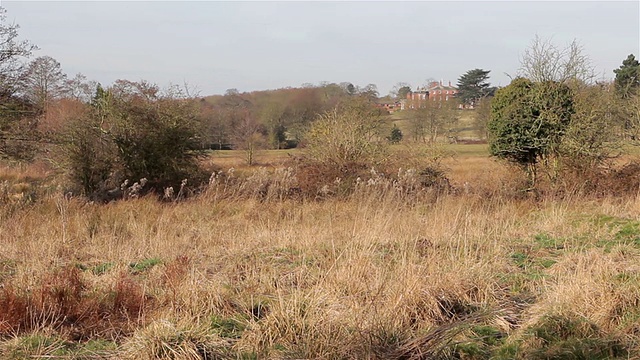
{"x": 396, "y": 135}
{"x": 473, "y": 86}
{"x": 628, "y": 76}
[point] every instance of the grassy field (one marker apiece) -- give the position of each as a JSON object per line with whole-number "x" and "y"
{"x": 477, "y": 273}
{"x": 464, "y": 129}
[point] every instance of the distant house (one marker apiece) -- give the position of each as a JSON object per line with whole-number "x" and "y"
{"x": 440, "y": 92}
{"x": 390, "y": 107}
{"x": 436, "y": 91}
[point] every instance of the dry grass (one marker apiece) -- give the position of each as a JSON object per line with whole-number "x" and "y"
{"x": 471, "y": 274}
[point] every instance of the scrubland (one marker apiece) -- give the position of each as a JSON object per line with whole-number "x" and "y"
{"x": 247, "y": 269}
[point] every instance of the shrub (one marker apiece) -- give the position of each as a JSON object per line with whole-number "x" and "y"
{"x": 396, "y": 135}
{"x": 528, "y": 122}
{"x": 133, "y": 133}
{"x": 349, "y": 135}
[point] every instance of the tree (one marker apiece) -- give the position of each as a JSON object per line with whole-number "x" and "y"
{"x": 272, "y": 115}
{"x": 249, "y": 136}
{"x": 349, "y": 88}
{"x": 396, "y": 135}
{"x": 628, "y": 77}
{"x": 592, "y": 137}
{"x": 528, "y": 122}
{"x": 403, "y": 91}
{"x": 348, "y": 135}
{"x": 400, "y": 90}
{"x": 544, "y": 61}
{"x": 16, "y": 113}
{"x": 12, "y": 52}
{"x": 78, "y": 88}
{"x": 473, "y": 86}
{"x": 370, "y": 92}
{"x": 433, "y": 120}
{"x": 43, "y": 81}
{"x": 231, "y": 92}
{"x": 482, "y": 116}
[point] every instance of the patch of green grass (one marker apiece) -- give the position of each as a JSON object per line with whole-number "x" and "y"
{"x": 626, "y": 232}
{"x": 521, "y": 259}
{"x": 629, "y": 233}
{"x": 561, "y": 337}
{"x": 102, "y": 268}
{"x": 545, "y": 241}
{"x": 546, "y": 263}
{"x": 480, "y": 342}
{"x": 143, "y": 265}
{"x": 228, "y": 327}
{"x": 53, "y": 347}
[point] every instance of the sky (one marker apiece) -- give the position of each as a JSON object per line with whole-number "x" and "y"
{"x": 214, "y": 46}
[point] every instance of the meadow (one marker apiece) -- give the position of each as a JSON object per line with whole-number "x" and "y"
{"x": 244, "y": 271}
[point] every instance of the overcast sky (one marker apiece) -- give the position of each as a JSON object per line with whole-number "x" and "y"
{"x": 215, "y": 46}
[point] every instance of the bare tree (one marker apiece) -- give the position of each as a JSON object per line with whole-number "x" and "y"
{"x": 12, "y": 52}
{"x": 545, "y": 61}
{"x": 249, "y": 135}
{"x": 78, "y": 88}
{"x": 433, "y": 120}
{"x": 400, "y": 90}
{"x": 43, "y": 81}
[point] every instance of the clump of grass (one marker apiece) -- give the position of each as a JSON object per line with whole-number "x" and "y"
{"x": 556, "y": 337}
{"x": 102, "y": 268}
{"x": 39, "y": 345}
{"x": 144, "y": 265}
{"x": 165, "y": 339}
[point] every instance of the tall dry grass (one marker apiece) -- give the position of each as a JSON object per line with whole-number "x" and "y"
{"x": 249, "y": 273}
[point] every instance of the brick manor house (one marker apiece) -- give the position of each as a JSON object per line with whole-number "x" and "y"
{"x": 436, "y": 91}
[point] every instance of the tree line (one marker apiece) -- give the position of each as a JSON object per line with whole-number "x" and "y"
{"x": 553, "y": 112}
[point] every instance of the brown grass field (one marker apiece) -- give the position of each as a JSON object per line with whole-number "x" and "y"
{"x": 477, "y": 273}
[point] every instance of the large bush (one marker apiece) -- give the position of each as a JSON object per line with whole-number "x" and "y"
{"x": 528, "y": 121}
{"x": 133, "y": 132}
{"x": 350, "y": 134}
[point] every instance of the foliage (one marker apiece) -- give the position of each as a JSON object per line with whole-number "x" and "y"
{"x": 16, "y": 113}
{"x": 400, "y": 90}
{"x": 433, "y": 120}
{"x": 627, "y": 85}
{"x": 629, "y": 112}
{"x": 349, "y": 134}
{"x": 396, "y": 135}
{"x": 482, "y": 117}
{"x": 592, "y": 136}
{"x": 473, "y": 86}
{"x": 528, "y": 121}
{"x": 628, "y": 77}
{"x": 132, "y": 132}
{"x": 249, "y": 135}
{"x": 79, "y": 88}
{"x": 545, "y": 61}
{"x": 43, "y": 81}
{"x": 12, "y": 52}
{"x": 17, "y": 128}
